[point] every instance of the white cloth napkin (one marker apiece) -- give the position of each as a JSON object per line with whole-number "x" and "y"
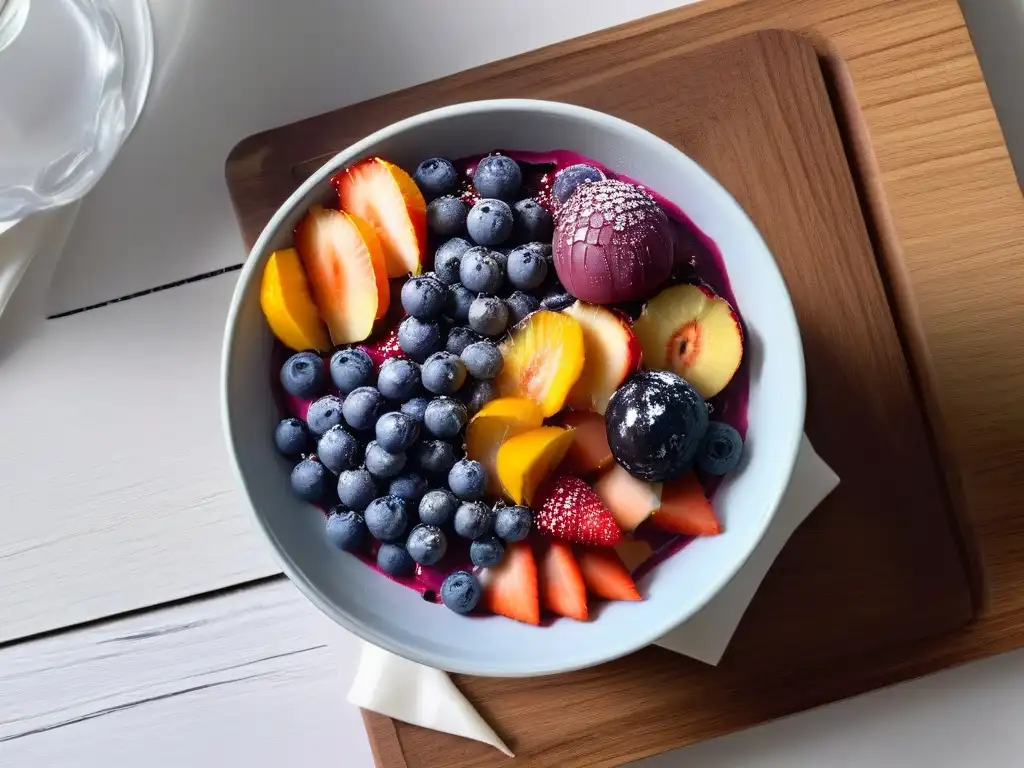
{"x": 413, "y": 693}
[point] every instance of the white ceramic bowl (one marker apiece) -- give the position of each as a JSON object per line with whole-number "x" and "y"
{"x": 396, "y": 618}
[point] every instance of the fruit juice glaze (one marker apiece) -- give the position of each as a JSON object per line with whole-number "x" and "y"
{"x": 697, "y": 259}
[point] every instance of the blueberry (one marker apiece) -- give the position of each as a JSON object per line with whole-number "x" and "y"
{"x": 488, "y": 315}
{"x": 558, "y": 301}
{"x": 480, "y": 271}
{"x": 437, "y": 507}
{"x": 361, "y": 408}
{"x": 444, "y": 373}
{"x": 356, "y": 489}
{"x": 460, "y": 591}
{"x": 569, "y": 178}
{"x": 721, "y": 449}
{"x": 424, "y": 297}
{"x": 399, "y": 379}
{"x": 324, "y": 414}
{"x": 446, "y": 215}
{"x": 489, "y": 222}
{"x": 461, "y": 337}
{"x": 483, "y": 360}
{"x": 386, "y": 518}
{"x": 383, "y": 464}
{"x": 338, "y": 450}
{"x": 292, "y": 438}
{"x": 532, "y": 221}
{"x": 498, "y": 176}
{"x": 351, "y": 369}
{"x": 460, "y": 299}
{"x": 426, "y": 544}
{"x": 520, "y": 305}
{"x": 394, "y": 560}
{"x": 447, "y": 259}
{"x": 486, "y": 552}
{"x": 445, "y": 417}
{"x": 473, "y": 519}
{"x": 346, "y": 529}
{"x": 310, "y": 480}
{"x": 434, "y": 456}
{"x": 303, "y": 375}
{"x": 512, "y": 523}
{"x": 409, "y": 487}
{"x": 480, "y": 395}
{"x": 467, "y": 479}
{"x": 435, "y": 177}
{"x": 420, "y": 339}
{"x": 396, "y": 432}
{"x": 527, "y": 268}
{"x": 415, "y": 408}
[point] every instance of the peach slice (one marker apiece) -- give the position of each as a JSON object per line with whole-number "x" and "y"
{"x": 524, "y": 461}
{"x": 630, "y": 500}
{"x": 386, "y": 196}
{"x": 691, "y": 331}
{"x": 685, "y": 509}
{"x": 288, "y": 304}
{"x": 543, "y": 359}
{"x": 589, "y": 452}
{"x": 495, "y": 423}
{"x": 338, "y": 260}
{"x": 611, "y": 354}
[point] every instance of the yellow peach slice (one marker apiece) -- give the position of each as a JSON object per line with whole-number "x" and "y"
{"x": 288, "y": 304}
{"x": 524, "y": 461}
{"x": 543, "y": 359}
{"x": 495, "y": 423}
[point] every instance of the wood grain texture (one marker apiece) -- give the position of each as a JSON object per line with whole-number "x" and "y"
{"x": 756, "y": 114}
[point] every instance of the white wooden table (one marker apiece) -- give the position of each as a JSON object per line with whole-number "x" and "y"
{"x": 142, "y": 619}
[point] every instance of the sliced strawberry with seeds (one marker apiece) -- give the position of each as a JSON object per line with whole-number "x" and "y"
{"x": 605, "y": 574}
{"x": 685, "y": 509}
{"x": 562, "y": 588}
{"x": 510, "y": 588}
{"x": 569, "y": 510}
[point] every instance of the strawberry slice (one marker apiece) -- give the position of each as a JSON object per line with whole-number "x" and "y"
{"x": 562, "y": 589}
{"x": 685, "y": 509}
{"x": 543, "y": 360}
{"x": 384, "y": 348}
{"x": 510, "y": 588}
{"x": 568, "y": 509}
{"x": 605, "y": 574}
{"x": 388, "y": 198}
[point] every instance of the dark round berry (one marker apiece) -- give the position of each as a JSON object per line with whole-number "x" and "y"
{"x": 446, "y": 215}
{"x": 461, "y": 337}
{"x": 394, "y": 560}
{"x": 460, "y": 592}
{"x": 386, "y": 518}
{"x": 521, "y": 305}
{"x": 532, "y": 221}
{"x": 488, "y": 316}
{"x": 303, "y": 375}
{"x": 356, "y": 489}
{"x": 473, "y": 519}
{"x": 420, "y": 339}
{"x": 435, "y": 457}
{"x": 361, "y": 407}
{"x": 409, "y": 487}
{"x": 324, "y": 414}
{"x": 481, "y": 393}
{"x": 569, "y": 178}
{"x": 310, "y": 480}
{"x": 426, "y": 544}
{"x": 381, "y": 463}
{"x": 721, "y": 449}
{"x": 399, "y": 379}
{"x": 424, "y": 297}
{"x": 396, "y": 432}
{"x": 351, "y": 369}
{"x": 345, "y": 528}
{"x": 415, "y": 408}
{"x": 483, "y": 360}
{"x": 460, "y": 299}
{"x": 489, "y": 222}
{"x": 557, "y": 301}
{"x": 445, "y": 417}
{"x": 435, "y": 177}
{"x": 437, "y": 507}
{"x": 467, "y": 479}
{"x": 512, "y": 523}
{"x": 498, "y": 176}
{"x": 292, "y": 437}
{"x": 448, "y": 258}
{"x": 527, "y": 268}
{"x": 480, "y": 271}
{"x": 486, "y": 552}
{"x": 338, "y": 450}
{"x": 443, "y": 373}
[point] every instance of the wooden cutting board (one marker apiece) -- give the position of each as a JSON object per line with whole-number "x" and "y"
{"x": 878, "y": 570}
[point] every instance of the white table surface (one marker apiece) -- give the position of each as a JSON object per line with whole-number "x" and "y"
{"x": 117, "y": 508}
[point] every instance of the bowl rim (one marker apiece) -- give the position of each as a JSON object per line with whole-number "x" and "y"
{"x": 246, "y": 282}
